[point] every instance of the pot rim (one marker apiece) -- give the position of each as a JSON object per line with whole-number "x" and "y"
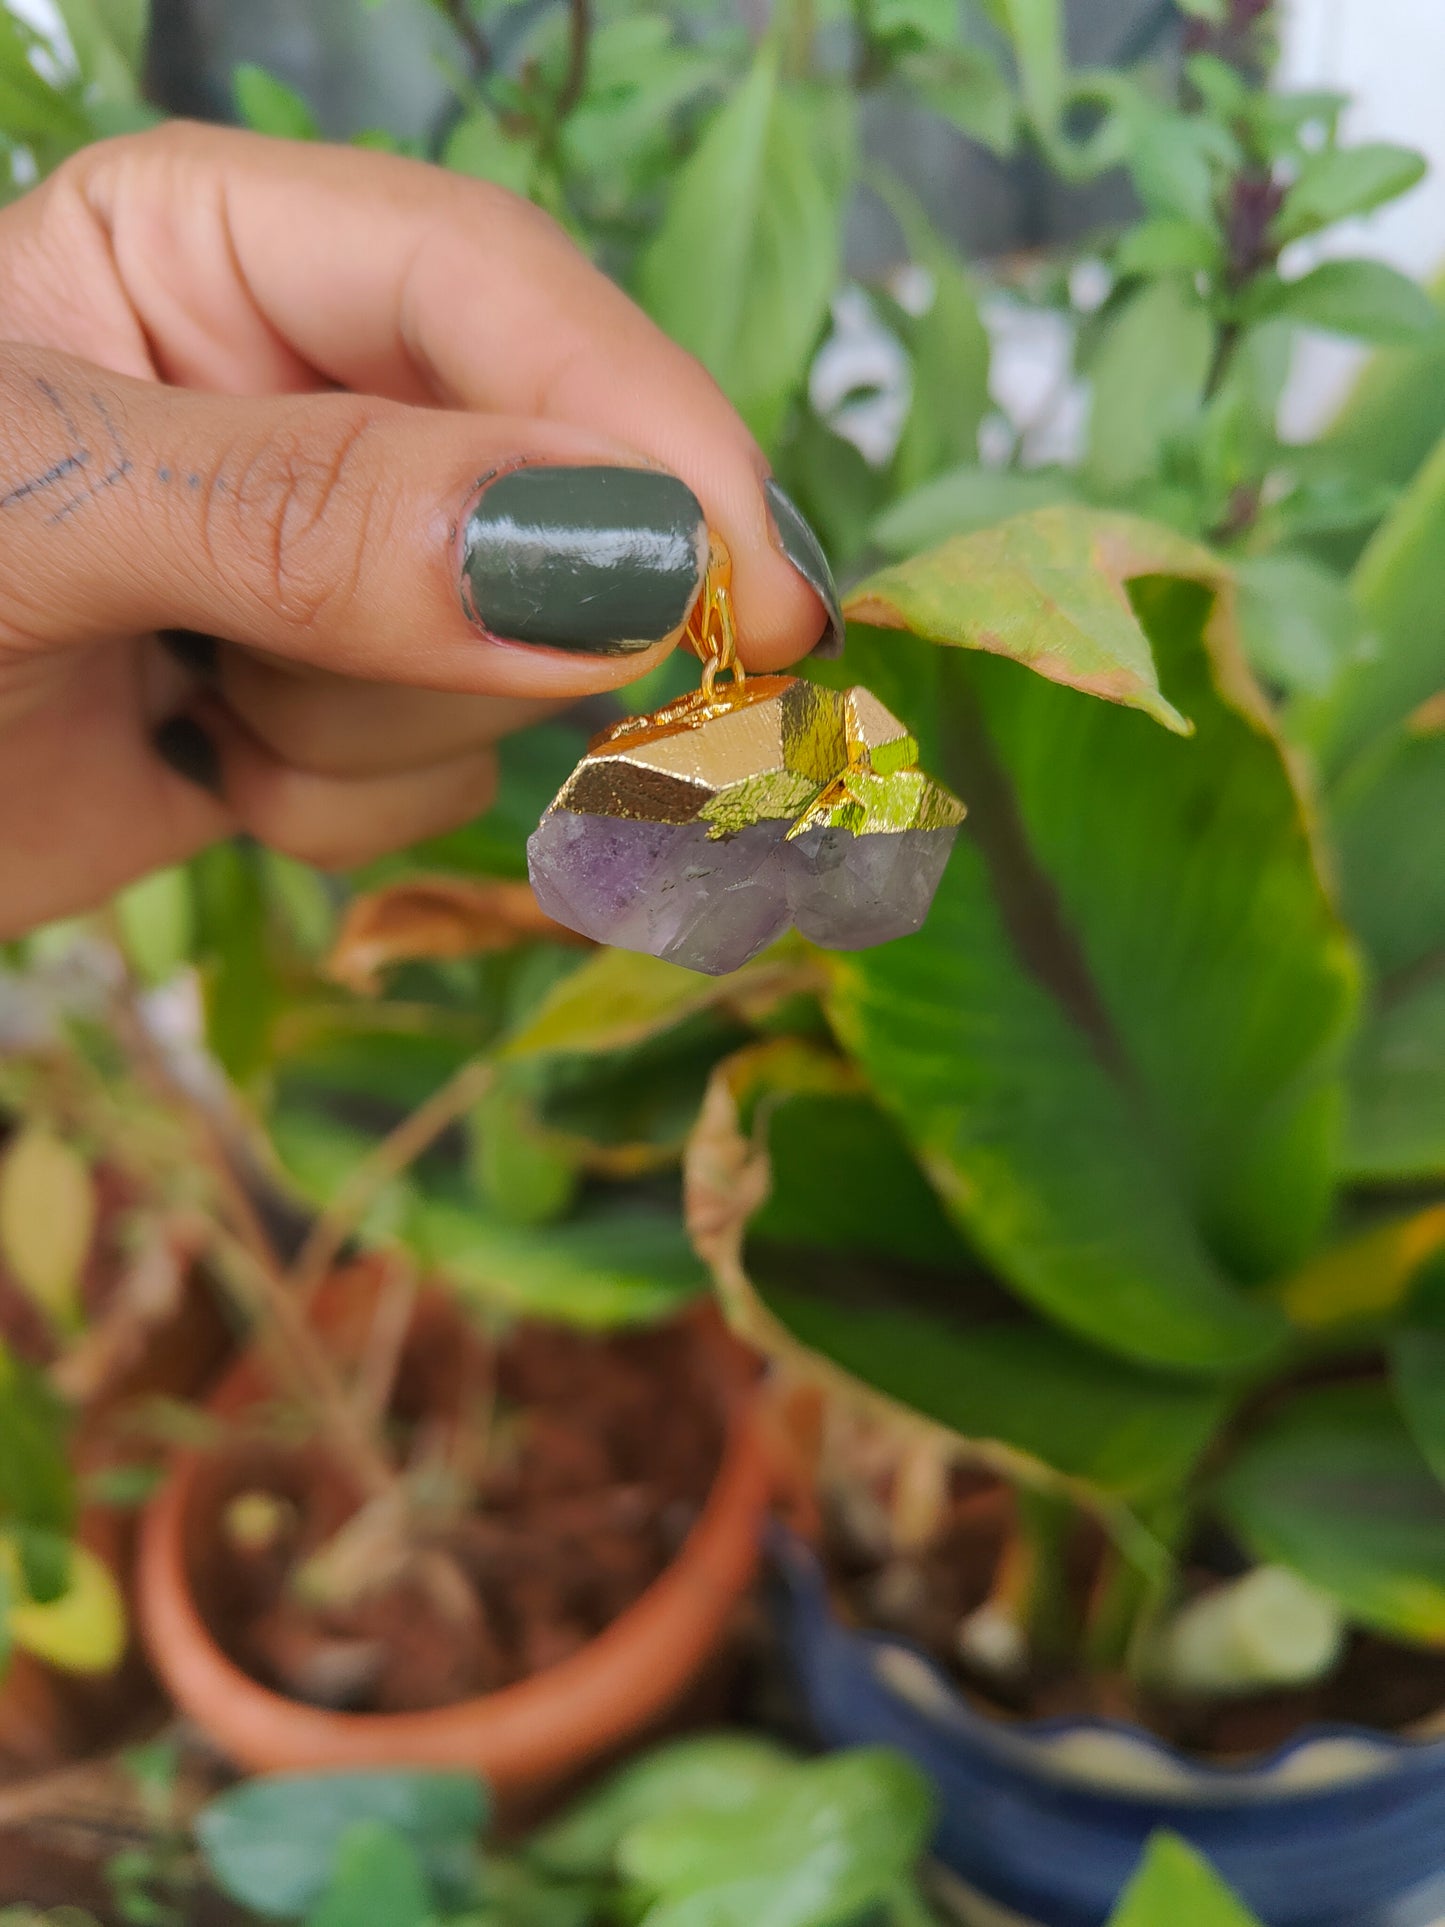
{"x": 521, "y": 1736}
{"x": 1110, "y": 1758}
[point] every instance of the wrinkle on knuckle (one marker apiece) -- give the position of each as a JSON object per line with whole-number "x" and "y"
{"x": 290, "y": 518}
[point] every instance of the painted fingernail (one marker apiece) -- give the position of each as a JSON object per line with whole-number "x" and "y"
{"x": 192, "y": 650}
{"x": 186, "y": 748}
{"x": 599, "y": 561}
{"x": 801, "y": 546}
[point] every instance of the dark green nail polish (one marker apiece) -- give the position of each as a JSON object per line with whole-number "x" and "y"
{"x": 803, "y": 549}
{"x": 596, "y": 560}
{"x": 186, "y": 748}
{"x": 192, "y": 650}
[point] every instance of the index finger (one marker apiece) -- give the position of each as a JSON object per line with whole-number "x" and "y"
{"x": 252, "y": 264}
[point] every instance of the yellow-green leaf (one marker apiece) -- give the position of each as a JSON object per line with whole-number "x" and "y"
{"x": 84, "y": 1630}
{"x": 1366, "y": 1276}
{"x": 622, "y": 997}
{"x": 47, "y": 1219}
{"x": 1048, "y": 590}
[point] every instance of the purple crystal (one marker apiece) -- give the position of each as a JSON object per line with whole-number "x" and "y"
{"x": 848, "y": 892}
{"x": 710, "y": 904}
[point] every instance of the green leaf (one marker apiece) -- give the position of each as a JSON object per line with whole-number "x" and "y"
{"x": 72, "y": 1615}
{"x": 377, "y": 1882}
{"x": 157, "y": 924}
{"x": 32, "y": 111}
{"x": 128, "y": 24}
{"x": 613, "y": 1265}
{"x": 971, "y": 92}
{"x": 1168, "y": 873}
{"x": 748, "y": 255}
{"x": 620, "y": 997}
{"x": 1175, "y": 161}
{"x": 242, "y": 994}
{"x": 1334, "y": 1487}
{"x": 1394, "y": 415}
{"x": 1175, "y": 1884}
{"x": 1297, "y": 622}
{"x": 1387, "y": 817}
{"x": 1047, "y": 590}
{"x": 1417, "y": 1366}
{"x": 108, "y": 40}
{"x": 1191, "y": 880}
{"x": 1031, "y": 1145}
{"x": 525, "y": 1179}
{"x": 1035, "y": 30}
{"x": 479, "y": 146}
{"x": 319, "y": 1154}
{"x": 964, "y": 500}
{"x": 36, "y": 1484}
{"x": 1148, "y": 375}
{"x": 1341, "y": 181}
{"x": 844, "y": 1180}
{"x": 1168, "y": 245}
{"x": 48, "y": 1210}
{"x": 822, "y": 1845}
{"x": 710, "y": 1774}
{"x": 1130, "y": 1433}
{"x": 268, "y": 106}
{"x": 1363, "y": 299}
{"x": 619, "y": 141}
{"x": 1395, "y": 1115}
{"x": 1397, "y": 585}
{"x": 273, "y": 1844}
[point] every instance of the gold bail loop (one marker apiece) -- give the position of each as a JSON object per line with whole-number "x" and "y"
{"x": 711, "y": 633}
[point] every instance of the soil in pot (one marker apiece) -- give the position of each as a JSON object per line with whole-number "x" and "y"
{"x": 587, "y": 1460}
{"x": 930, "y": 1593}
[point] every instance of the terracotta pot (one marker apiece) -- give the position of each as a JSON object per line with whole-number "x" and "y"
{"x": 523, "y": 1739}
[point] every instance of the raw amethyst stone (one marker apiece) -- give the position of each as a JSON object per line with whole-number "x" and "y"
{"x": 701, "y": 833}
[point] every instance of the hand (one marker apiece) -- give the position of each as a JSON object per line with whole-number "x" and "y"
{"x": 392, "y": 463}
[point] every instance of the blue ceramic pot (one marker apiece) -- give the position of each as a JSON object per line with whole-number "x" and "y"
{"x": 1043, "y": 1821}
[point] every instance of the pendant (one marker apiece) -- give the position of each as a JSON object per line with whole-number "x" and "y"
{"x": 700, "y": 832}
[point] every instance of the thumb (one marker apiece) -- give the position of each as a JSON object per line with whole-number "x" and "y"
{"x": 473, "y": 553}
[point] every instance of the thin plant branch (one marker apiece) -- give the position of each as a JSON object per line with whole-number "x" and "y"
{"x": 298, "y": 1354}
{"x": 579, "y": 46}
{"x": 415, "y": 1134}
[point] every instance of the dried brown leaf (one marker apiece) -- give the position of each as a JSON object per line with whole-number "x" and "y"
{"x": 435, "y": 917}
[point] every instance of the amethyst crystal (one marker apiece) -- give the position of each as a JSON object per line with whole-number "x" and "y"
{"x": 700, "y": 834}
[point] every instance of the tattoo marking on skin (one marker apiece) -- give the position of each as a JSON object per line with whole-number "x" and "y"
{"x": 79, "y": 458}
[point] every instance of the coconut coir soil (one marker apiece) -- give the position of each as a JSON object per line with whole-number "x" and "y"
{"x": 589, "y": 1460}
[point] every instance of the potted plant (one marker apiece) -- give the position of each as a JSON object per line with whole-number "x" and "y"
{"x": 426, "y": 1531}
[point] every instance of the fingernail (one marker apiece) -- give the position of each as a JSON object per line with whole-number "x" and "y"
{"x": 599, "y": 561}
{"x": 186, "y": 748}
{"x": 192, "y": 650}
{"x": 803, "y": 549}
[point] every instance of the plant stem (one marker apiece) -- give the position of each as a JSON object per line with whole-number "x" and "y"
{"x": 478, "y": 47}
{"x": 251, "y": 1251}
{"x": 387, "y": 1161}
{"x": 579, "y": 45}
{"x": 302, "y": 1358}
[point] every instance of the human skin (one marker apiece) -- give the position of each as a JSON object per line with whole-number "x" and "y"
{"x": 248, "y": 392}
